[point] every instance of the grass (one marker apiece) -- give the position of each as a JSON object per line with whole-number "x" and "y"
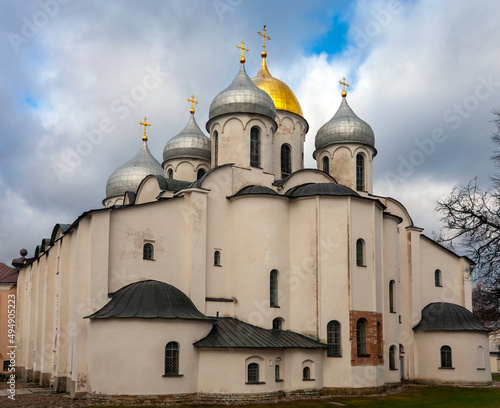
{"x": 411, "y": 397}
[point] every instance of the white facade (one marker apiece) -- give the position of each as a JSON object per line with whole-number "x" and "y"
{"x": 243, "y": 242}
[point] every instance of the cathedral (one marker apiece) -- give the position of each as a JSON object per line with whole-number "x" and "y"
{"x": 231, "y": 272}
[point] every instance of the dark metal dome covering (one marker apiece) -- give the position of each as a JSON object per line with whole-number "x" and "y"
{"x": 321, "y": 189}
{"x": 255, "y": 190}
{"x": 345, "y": 127}
{"x": 128, "y": 176}
{"x": 149, "y": 299}
{"x": 448, "y": 317}
{"x": 190, "y": 143}
{"x": 242, "y": 96}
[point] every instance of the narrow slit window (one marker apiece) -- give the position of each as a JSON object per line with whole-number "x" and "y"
{"x": 360, "y": 252}
{"x": 392, "y": 285}
{"x": 360, "y": 172}
{"x": 437, "y": 278}
{"x": 286, "y": 161}
{"x": 392, "y": 358}
{"x": 254, "y": 147}
{"x": 326, "y": 165}
{"x": 273, "y": 288}
{"x": 216, "y": 148}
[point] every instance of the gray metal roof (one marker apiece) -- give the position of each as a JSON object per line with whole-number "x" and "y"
{"x": 448, "y": 317}
{"x": 255, "y": 190}
{"x": 242, "y": 96}
{"x": 229, "y": 332}
{"x": 149, "y": 299}
{"x": 344, "y": 127}
{"x": 128, "y": 176}
{"x": 191, "y": 142}
{"x": 321, "y": 189}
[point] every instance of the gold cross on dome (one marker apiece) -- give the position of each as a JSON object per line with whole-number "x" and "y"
{"x": 145, "y": 123}
{"x": 242, "y": 48}
{"x": 192, "y": 103}
{"x": 343, "y": 82}
{"x": 264, "y": 38}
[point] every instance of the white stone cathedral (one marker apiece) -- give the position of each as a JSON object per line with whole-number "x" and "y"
{"x": 232, "y": 272}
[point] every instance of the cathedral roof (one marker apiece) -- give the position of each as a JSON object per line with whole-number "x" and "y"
{"x": 242, "y": 96}
{"x": 229, "y": 332}
{"x": 280, "y": 93}
{"x": 345, "y": 127}
{"x": 128, "y": 176}
{"x": 322, "y": 189}
{"x": 448, "y": 317}
{"x": 191, "y": 142}
{"x": 149, "y": 299}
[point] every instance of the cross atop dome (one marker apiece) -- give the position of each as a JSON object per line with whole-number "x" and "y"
{"x": 192, "y": 100}
{"x": 263, "y": 54}
{"x": 344, "y": 83}
{"x": 242, "y": 48}
{"x": 145, "y": 123}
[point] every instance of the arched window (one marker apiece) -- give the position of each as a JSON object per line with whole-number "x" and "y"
{"x": 278, "y": 323}
{"x": 200, "y": 173}
{"x": 216, "y": 148}
{"x": 480, "y": 358}
{"x": 392, "y": 358}
{"x": 360, "y": 252}
{"x": 446, "y": 357}
{"x": 217, "y": 258}
{"x": 306, "y": 373}
{"x": 333, "y": 339}
{"x": 273, "y": 288}
{"x": 170, "y": 174}
{"x": 392, "y": 285}
{"x": 380, "y": 341}
{"x": 253, "y": 373}
{"x": 172, "y": 358}
{"x": 148, "y": 251}
{"x": 277, "y": 376}
{"x": 361, "y": 337}
{"x": 286, "y": 160}
{"x": 360, "y": 172}
{"x": 326, "y": 165}
{"x": 254, "y": 147}
{"x": 437, "y": 278}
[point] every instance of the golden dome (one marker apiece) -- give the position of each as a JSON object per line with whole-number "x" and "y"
{"x": 280, "y": 93}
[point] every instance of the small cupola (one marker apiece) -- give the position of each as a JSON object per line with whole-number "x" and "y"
{"x": 128, "y": 176}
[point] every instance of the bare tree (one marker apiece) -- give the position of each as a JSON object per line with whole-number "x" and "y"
{"x": 471, "y": 219}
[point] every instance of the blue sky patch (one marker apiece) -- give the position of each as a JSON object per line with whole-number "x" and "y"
{"x": 30, "y": 102}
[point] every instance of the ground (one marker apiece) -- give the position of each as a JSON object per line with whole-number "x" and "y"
{"x": 409, "y": 396}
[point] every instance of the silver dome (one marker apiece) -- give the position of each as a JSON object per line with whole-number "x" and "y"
{"x": 128, "y": 176}
{"x": 190, "y": 143}
{"x": 344, "y": 127}
{"x": 242, "y": 96}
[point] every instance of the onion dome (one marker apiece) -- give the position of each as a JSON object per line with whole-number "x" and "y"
{"x": 280, "y": 93}
{"x": 345, "y": 127}
{"x": 242, "y": 96}
{"x": 149, "y": 299}
{"x": 440, "y": 316}
{"x": 190, "y": 143}
{"x": 128, "y": 176}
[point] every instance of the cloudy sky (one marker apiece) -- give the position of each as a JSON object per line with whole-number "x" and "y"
{"x": 76, "y": 77}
